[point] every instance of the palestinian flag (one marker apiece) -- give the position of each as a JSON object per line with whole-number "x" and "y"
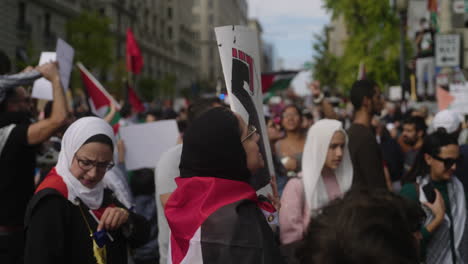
{"x": 215, "y": 220}
{"x": 277, "y": 81}
{"x": 99, "y": 99}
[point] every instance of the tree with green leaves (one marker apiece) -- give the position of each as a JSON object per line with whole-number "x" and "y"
{"x": 373, "y": 39}
{"x": 325, "y": 64}
{"x": 90, "y": 35}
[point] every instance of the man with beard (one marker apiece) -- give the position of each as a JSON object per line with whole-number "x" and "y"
{"x": 19, "y": 139}
{"x": 363, "y": 147}
{"x": 411, "y": 140}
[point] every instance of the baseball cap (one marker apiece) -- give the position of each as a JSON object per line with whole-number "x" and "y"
{"x": 447, "y": 119}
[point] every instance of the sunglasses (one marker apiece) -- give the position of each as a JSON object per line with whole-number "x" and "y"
{"x": 250, "y": 133}
{"x": 448, "y": 163}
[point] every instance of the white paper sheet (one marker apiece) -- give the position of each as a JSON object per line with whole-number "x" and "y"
{"x": 65, "y": 54}
{"x": 145, "y": 143}
{"x": 42, "y": 88}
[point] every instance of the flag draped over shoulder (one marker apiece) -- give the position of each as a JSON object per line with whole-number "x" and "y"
{"x": 225, "y": 223}
{"x": 134, "y": 58}
{"x": 99, "y": 99}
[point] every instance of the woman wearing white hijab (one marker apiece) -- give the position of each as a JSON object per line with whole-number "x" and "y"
{"x": 72, "y": 218}
{"x": 327, "y": 173}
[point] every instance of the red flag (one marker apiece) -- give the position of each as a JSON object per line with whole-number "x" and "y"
{"x": 99, "y": 99}
{"x": 134, "y": 101}
{"x": 432, "y": 5}
{"x": 134, "y": 58}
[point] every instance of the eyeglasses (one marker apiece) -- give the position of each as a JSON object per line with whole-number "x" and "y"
{"x": 251, "y": 131}
{"x": 448, "y": 163}
{"x": 89, "y": 164}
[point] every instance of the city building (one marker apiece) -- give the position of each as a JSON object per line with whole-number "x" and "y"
{"x": 208, "y": 14}
{"x": 162, "y": 29}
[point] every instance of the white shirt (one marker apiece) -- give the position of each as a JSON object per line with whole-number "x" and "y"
{"x": 167, "y": 169}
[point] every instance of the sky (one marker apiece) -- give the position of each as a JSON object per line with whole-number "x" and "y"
{"x": 290, "y": 25}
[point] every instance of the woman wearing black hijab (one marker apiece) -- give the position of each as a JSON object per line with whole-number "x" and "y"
{"x": 214, "y": 214}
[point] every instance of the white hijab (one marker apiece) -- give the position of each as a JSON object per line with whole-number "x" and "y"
{"x": 77, "y": 134}
{"x": 313, "y": 160}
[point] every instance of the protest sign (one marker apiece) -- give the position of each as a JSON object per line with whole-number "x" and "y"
{"x": 65, "y": 54}
{"x": 42, "y": 88}
{"x": 239, "y": 53}
{"x": 145, "y": 143}
{"x": 460, "y": 95}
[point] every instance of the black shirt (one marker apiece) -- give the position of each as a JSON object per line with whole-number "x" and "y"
{"x": 17, "y": 164}
{"x": 426, "y": 44}
{"x": 366, "y": 157}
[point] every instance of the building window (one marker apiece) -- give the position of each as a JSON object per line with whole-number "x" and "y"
{"x": 169, "y": 33}
{"x": 196, "y": 18}
{"x": 47, "y": 24}
{"x": 210, "y": 19}
{"x": 169, "y": 12}
{"x": 210, "y": 3}
{"x": 21, "y": 15}
{"x": 102, "y": 11}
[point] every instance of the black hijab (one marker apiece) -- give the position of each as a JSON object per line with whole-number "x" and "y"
{"x": 212, "y": 147}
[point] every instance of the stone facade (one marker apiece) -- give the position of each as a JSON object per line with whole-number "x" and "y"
{"x": 207, "y": 15}
{"x": 162, "y": 29}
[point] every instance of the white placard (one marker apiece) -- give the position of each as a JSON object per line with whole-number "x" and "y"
{"x": 301, "y": 82}
{"x": 145, "y": 143}
{"x": 447, "y": 52}
{"x": 460, "y": 93}
{"x": 42, "y": 88}
{"x": 394, "y": 93}
{"x": 239, "y": 53}
{"x": 65, "y": 54}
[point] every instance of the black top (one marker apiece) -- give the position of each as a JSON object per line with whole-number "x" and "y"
{"x": 426, "y": 45}
{"x": 212, "y": 147}
{"x": 366, "y": 157}
{"x": 57, "y": 233}
{"x": 238, "y": 233}
{"x": 17, "y": 164}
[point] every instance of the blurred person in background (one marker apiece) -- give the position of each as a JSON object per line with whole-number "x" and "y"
{"x": 19, "y": 141}
{"x": 327, "y": 174}
{"x": 364, "y": 226}
{"x": 142, "y": 185}
{"x": 365, "y": 152}
{"x": 391, "y": 154}
{"x": 275, "y": 133}
{"x": 411, "y": 139}
{"x": 290, "y": 148}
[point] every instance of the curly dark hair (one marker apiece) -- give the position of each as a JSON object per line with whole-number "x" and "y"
{"x": 365, "y": 226}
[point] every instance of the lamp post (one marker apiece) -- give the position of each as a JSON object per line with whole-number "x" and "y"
{"x": 402, "y": 7}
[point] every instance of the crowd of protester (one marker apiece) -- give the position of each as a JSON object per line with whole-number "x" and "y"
{"x": 356, "y": 181}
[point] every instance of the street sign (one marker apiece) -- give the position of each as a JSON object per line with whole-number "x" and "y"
{"x": 447, "y": 52}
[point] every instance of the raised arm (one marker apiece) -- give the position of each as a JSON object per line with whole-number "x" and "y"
{"x": 44, "y": 129}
